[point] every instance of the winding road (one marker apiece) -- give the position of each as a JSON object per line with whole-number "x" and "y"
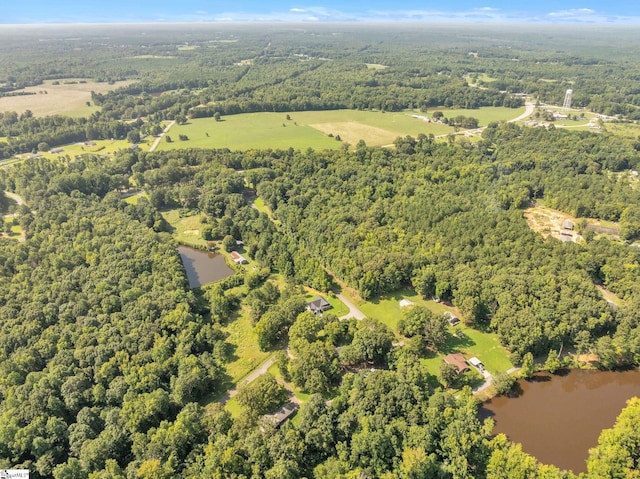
{"x": 529, "y": 107}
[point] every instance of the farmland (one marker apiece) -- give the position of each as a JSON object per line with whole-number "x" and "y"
{"x": 68, "y": 97}
{"x": 312, "y": 128}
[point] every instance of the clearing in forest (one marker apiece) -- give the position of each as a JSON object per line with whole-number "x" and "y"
{"x": 68, "y": 97}
{"x": 549, "y": 222}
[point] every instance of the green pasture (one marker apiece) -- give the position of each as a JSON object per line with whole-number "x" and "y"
{"x": 485, "y": 115}
{"x": 101, "y": 147}
{"x": 307, "y": 129}
{"x": 134, "y": 199}
{"x": 247, "y": 131}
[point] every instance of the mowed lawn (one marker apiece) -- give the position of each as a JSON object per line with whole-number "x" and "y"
{"x": 312, "y": 128}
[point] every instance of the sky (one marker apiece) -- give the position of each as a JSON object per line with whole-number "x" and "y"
{"x": 621, "y": 12}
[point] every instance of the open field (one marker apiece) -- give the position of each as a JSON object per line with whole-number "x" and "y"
{"x": 485, "y": 115}
{"x": 101, "y": 147}
{"x": 627, "y": 130}
{"x": 245, "y": 352}
{"x": 311, "y": 128}
{"x": 376, "y": 66}
{"x": 185, "y": 229}
{"x": 69, "y": 99}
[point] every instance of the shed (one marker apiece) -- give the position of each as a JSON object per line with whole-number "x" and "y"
{"x": 451, "y": 318}
{"x": 458, "y": 361}
{"x": 404, "y": 303}
{"x": 476, "y": 363}
{"x": 238, "y": 258}
{"x": 319, "y": 305}
{"x": 567, "y": 225}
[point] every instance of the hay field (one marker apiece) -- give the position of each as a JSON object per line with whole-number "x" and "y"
{"x": 307, "y": 129}
{"x": 69, "y": 99}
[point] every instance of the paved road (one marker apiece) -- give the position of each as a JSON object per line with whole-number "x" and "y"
{"x": 527, "y": 112}
{"x": 253, "y": 375}
{"x": 157, "y": 142}
{"x": 354, "y": 312}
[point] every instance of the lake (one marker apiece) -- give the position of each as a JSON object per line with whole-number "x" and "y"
{"x": 203, "y": 267}
{"x": 558, "y": 419}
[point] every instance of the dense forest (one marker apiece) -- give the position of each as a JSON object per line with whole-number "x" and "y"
{"x": 112, "y": 367}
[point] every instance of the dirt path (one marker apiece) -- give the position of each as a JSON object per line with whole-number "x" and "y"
{"x": 164, "y": 132}
{"x": 253, "y": 375}
{"x": 354, "y": 312}
{"x": 14, "y": 197}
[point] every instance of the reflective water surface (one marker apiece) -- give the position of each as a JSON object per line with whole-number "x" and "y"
{"x": 558, "y": 418}
{"x": 203, "y": 267}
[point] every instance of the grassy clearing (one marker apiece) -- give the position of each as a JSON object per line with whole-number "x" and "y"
{"x": 134, "y": 199}
{"x": 260, "y": 206}
{"x": 376, "y": 66}
{"x": 484, "y": 345}
{"x": 65, "y": 98}
{"x": 387, "y": 308}
{"x": 311, "y": 128}
{"x": 246, "y": 354}
{"x": 626, "y": 130}
{"x": 186, "y": 229}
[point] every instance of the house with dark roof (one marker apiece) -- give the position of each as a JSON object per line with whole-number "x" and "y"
{"x": 279, "y": 417}
{"x": 319, "y": 305}
{"x": 458, "y": 361}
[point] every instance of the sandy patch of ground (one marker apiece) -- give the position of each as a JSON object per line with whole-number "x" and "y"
{"x": 352, "y": 132}
{"x": 58, "y": 99}
{"x": 548, "y": 222}
{"x": 192, "y": 232}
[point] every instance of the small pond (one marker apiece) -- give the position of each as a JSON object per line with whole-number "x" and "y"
{"x": 558, "y": 419}
{"x": 203, "y": 267}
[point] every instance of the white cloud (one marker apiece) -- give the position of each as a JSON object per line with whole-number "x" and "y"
{"x": 574, "y": 12}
